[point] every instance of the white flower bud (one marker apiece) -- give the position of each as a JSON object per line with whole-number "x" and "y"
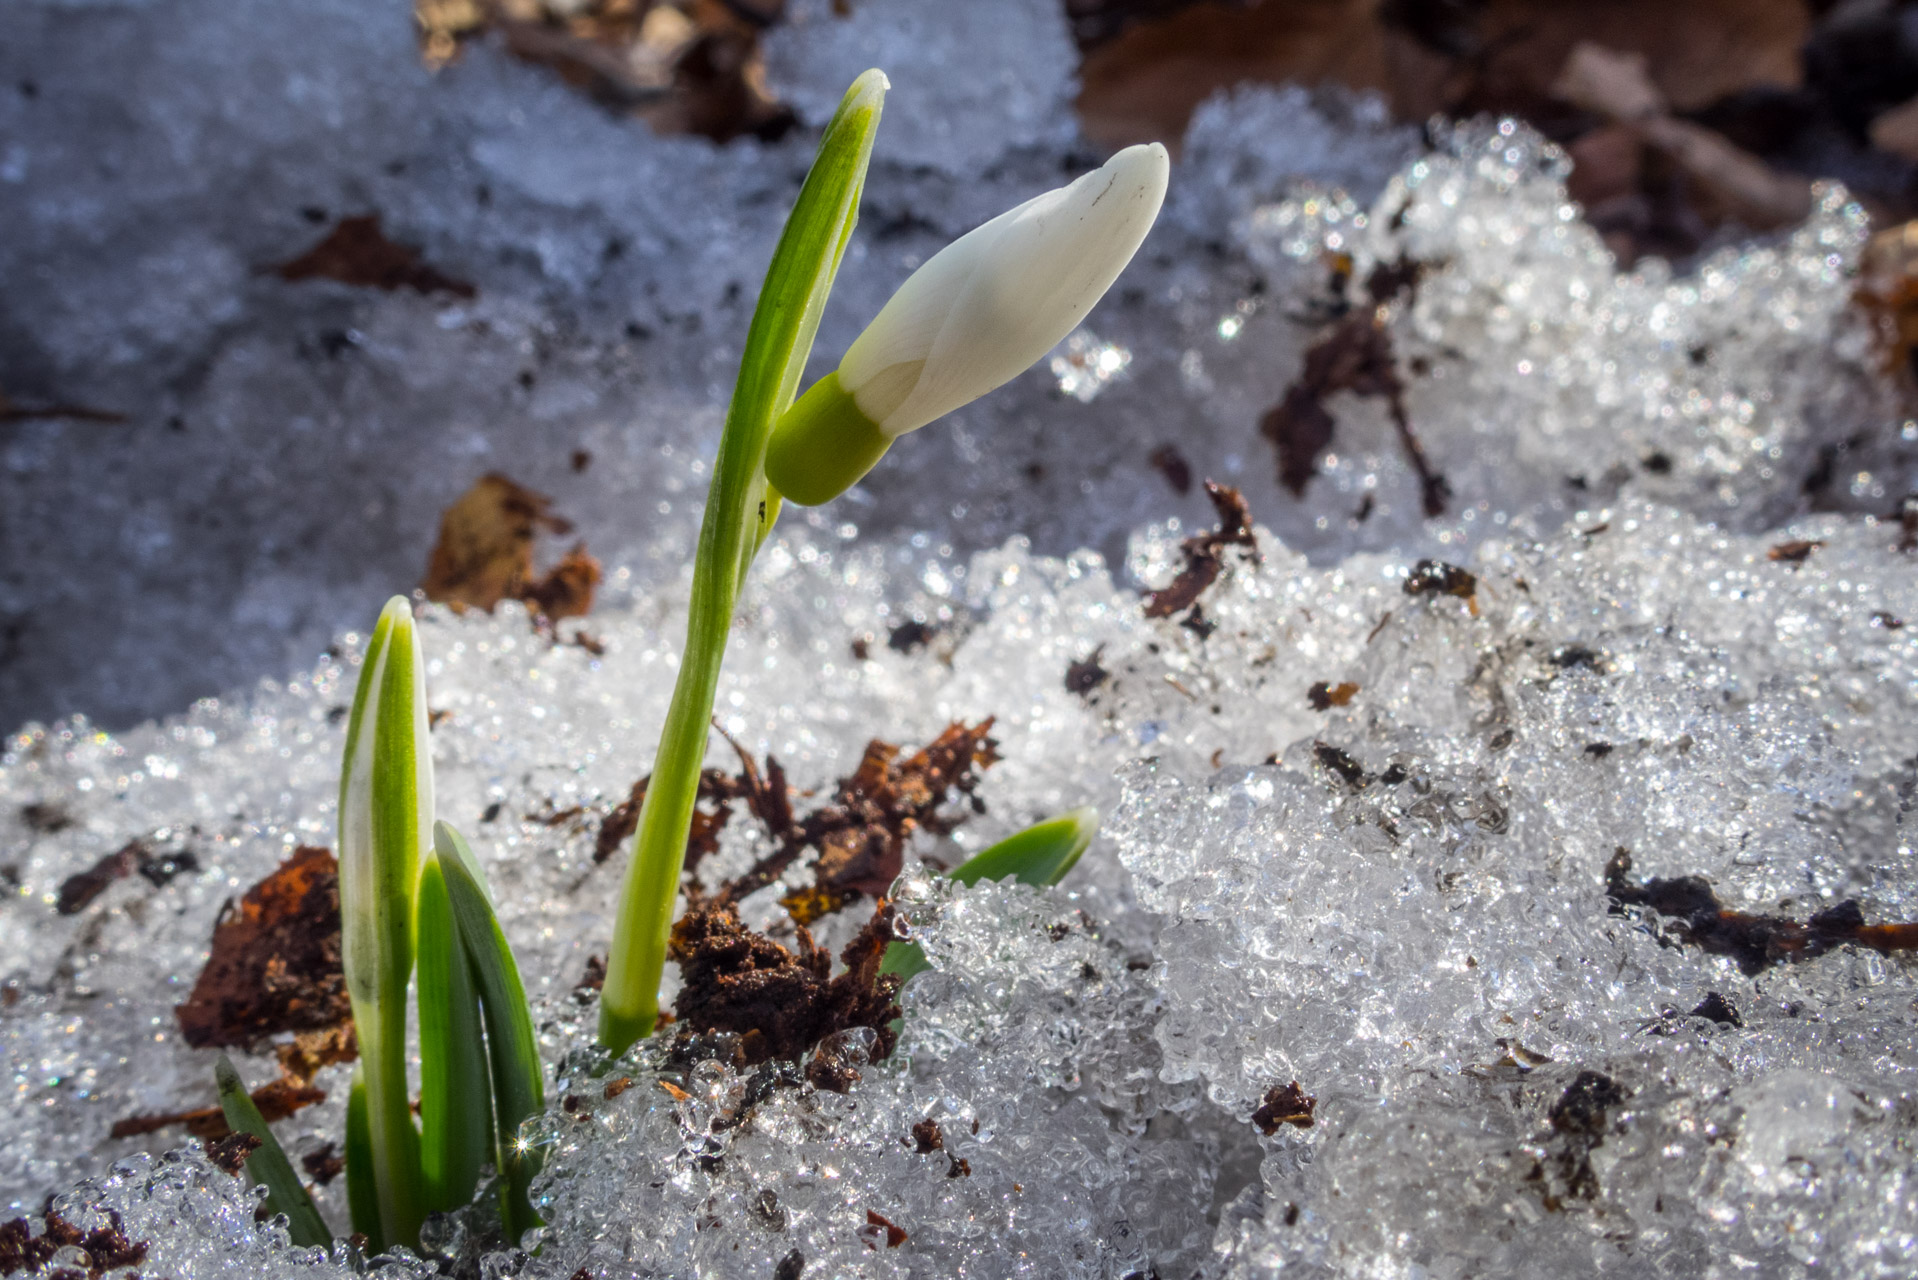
{"x": 975, "y": 316}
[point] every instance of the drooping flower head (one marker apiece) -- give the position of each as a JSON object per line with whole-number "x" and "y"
{"x": 975, "y": 316}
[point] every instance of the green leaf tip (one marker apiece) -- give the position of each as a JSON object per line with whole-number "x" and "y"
{"x": 1040, "y": 855}
{"x": 268, "y": 1165}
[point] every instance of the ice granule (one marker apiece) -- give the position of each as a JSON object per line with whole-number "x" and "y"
{"x": 1245, "y": 147}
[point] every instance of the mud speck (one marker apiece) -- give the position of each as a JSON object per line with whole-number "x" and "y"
{"x": 1285, "y": 1104}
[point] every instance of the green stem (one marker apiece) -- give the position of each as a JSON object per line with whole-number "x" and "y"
{"x": 740, "y": 508}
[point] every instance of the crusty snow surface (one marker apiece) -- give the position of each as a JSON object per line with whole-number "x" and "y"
{"x": 1687, "y": 643}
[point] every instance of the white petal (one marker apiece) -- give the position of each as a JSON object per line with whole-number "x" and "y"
{"x": 1043, "y": 267}
{"x": 905, "y": 328}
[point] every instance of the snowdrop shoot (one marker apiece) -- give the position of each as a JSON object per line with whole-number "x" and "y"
{"x": 975, "y": 316}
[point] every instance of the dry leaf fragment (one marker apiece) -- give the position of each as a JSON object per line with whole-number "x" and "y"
{"x": 276, "y": 1100}
{"x": 1794, "y": 552}
{"x": 1285, "y": 1104}
{"x": 1354, "y": 355}
{"x": 275, "y": 962}
{"x": 357, "y": 252}
{"x": 1755, "y": 942}
{"x": 485, "y": 554}
{"x": 1619, "y": 86}
{"x": 1203, "y": 560}
{"x": 895, "y": 1234}
{"x": 1324, "y": 696}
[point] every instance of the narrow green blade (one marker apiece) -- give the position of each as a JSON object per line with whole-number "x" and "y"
{"x": 740, "y": 508}
{"x": 362, "y": 1191}
{"x": 456, "y": 1114}
{"x": 268, "y": 1165}
{"x": 1040, "y": 855}
{"x": 518, "y": 1083}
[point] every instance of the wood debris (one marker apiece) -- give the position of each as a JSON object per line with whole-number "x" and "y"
{"x": 1756, "y": 942}
{"x": 1204, "y": 560}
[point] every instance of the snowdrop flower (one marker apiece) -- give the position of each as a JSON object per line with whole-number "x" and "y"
{"x": 975, "y": 316}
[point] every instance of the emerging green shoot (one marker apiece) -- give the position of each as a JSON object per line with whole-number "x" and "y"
{"x": 268, "y": 1165}
{"x": 385, "y": 823}
{"x": 411, "y": 891}
{"x": 1039, "y": 856}
{"x": 740, "y": 509}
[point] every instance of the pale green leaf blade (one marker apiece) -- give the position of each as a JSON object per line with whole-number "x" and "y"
{"x": 518, "y": 1081}
{"x": 268, "y": 1165}
{"x": 386, "y": 806}
{"x": 456, "y": 1114}
{"x": 362, "y": 1193}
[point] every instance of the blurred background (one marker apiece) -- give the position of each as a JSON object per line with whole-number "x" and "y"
{"x": 280, "y": 285}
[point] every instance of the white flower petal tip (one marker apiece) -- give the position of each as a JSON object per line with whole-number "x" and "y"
{"x": 987, "y": 306}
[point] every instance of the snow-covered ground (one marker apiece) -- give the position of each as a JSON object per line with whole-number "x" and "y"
{"x": 1400, "y": 903}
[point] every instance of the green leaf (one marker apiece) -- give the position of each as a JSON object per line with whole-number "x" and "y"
{"x": 386, "y": 807}
{"x": 456, "y": 1115}
{"x": 1040, "y": 856}
{"x": 268, "y": 1165}
{"x": 518, "y": 1081}
{"x": 740, "y": 508}
{"x": 362, "y": 1192}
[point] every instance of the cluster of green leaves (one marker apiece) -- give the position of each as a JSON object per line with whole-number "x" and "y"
{"x": 416, "y": 917}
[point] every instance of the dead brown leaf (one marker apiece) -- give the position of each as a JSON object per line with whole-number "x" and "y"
{"x": 275, "y": 963}
{"x": 357, "y": 252}
{"x": 1888, "y": 291}
{"x": 1142, "y": 84}
{"x": 485, "y": 554}
{"x": 276, "y": 1100}
{"x": 683, "y": 66}
{"x": 1619, "y": 86}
